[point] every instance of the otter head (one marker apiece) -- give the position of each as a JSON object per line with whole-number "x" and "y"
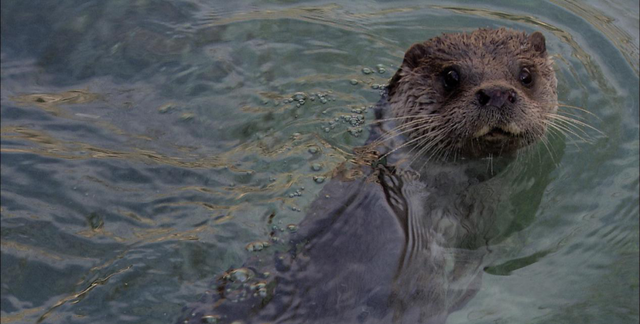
{"x": 486, "y": 93}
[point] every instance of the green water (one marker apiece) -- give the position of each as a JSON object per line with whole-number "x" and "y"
{"x": 146, "y": 143}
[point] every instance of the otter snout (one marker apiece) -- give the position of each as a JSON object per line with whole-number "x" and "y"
{"x": 496, "y": 96}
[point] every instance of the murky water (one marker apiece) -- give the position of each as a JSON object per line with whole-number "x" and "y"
{"x": 145, "y": 144}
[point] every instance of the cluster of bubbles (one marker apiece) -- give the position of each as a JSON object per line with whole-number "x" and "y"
{"x": 242, "y": 284}
{"x": 379, "y": 67}
{"x": 291, "y": 228}
{"x": 355, "y": 121}
{"x": 260, "y": 289}
{"x": 296, "y": 193}
{"x": 300, "y": 190}
{"x": 316, "y": 166}
{"x": 257, "y": 246}
{"x": 300, "y": 98}
{"x": 240, "y": 275}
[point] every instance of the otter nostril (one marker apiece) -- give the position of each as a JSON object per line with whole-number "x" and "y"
{"x": 483, "y": 98}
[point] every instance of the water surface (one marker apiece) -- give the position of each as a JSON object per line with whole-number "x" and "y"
{"x": 146, "y": 143}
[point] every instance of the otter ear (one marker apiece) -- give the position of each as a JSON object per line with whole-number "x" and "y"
{"x": 414, "y": 55}
{"x": 412, "y": 59}
{"x": 537, "y": 43}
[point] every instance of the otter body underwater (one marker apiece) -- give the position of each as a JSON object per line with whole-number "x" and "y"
{"x": 408, "y": 240}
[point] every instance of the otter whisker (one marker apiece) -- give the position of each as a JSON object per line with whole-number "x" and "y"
{"x": 501, "y": 149}
{"x": 428, "y": 143}
{"x": 439, "y": 149}
{"x": 546, "y": 144}
{"x": 572, "y": 115}
{"x": 398, "y": 118}
{"x": 566, "y": 132}
{"x": 554, "y": 133}
{"x": 455, "y": 155}
{"x": 422, "y": 118}
{"x": 422, "y": 146}
{"x": 578, "y": 108}
{"x": 567, "y": 129}
{"x": 574, "y": 122}
{"x": 571, "y": 120}
{"x": 408, "y": 143}
{"x": 435, "y": 143}
{"x": 552, "y": 127}
{"x": 406, "y": 127}
{"x": 448, "y": 153}
{"x": 383, "y": 120}
{"x": 490, "y": 163}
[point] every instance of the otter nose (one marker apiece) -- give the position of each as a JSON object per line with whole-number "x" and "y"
{"x": 496, "y": 97}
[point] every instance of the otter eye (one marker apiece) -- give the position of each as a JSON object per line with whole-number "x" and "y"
{"x": 525, "y": 77}
{"x": 451, "y": 79}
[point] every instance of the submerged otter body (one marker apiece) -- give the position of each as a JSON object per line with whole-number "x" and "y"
{"x": 407, "y": 242}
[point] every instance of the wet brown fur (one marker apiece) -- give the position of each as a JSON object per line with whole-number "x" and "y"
{"x": 443, "y": 123}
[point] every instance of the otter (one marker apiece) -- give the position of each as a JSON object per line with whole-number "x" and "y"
{"x": 409, "y": 239}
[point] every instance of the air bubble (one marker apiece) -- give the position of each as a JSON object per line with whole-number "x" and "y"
{"x": 299, "y": 96}
{"x": 255, "y": 246}
{"x": 187, "y": 116}
{"x": 163, "y": 109}
{"x": 240, "y": 275}
{"x": 211, "y": 319}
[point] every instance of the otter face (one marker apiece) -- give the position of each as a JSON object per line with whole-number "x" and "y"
{"x": 485, "y": 93}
